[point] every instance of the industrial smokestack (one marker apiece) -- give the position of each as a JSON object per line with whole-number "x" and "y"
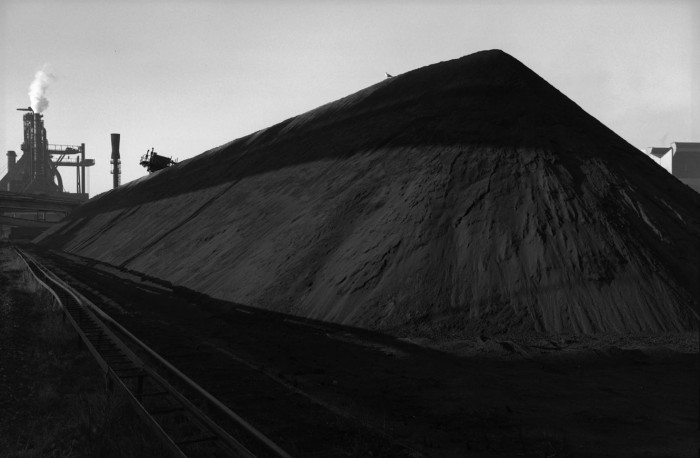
{"x": 38, "y": 147}
{"x": 116, "y": 162}
{"x": 11, "y": 161}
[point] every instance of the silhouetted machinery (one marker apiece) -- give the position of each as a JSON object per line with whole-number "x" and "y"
{"x": 154, "y": 161}
{"x": 32, "y": 195}
{"x": 36, "y": 172}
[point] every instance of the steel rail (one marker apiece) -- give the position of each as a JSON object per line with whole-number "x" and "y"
{"x": 108, "y": 372}
{"x": 140, "y": 371}
{"x": 264, "y": 440}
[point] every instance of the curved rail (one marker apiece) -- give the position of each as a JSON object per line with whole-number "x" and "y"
{"x": 165, "y": 408}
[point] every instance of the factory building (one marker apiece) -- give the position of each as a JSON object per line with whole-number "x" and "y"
{"x": 681, "y": 159}
{"x": 36, "y": 172}
{"x": 32, "y": 192}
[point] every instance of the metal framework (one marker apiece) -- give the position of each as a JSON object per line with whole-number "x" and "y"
{"x": 63, "y": 159}
{"x": 154, "y": 161}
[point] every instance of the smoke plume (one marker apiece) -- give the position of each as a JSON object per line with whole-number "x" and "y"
{"x": 37, "y": 90}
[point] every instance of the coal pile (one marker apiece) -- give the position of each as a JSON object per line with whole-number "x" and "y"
{"x": 469, "y": 194}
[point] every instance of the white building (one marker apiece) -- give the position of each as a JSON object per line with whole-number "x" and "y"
{"x": 682, "y": 160}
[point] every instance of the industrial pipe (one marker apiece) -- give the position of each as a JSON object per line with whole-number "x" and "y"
{"x": 11, "y": 161}
{"x": 116, "y": 161}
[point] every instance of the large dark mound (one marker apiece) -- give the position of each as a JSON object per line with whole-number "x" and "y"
{"x": 469, "y": 191}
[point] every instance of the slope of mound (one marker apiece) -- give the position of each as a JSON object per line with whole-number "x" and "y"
{"x": 470, "y": 191}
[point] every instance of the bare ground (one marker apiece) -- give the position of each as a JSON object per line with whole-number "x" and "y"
{"x": 528, "y": 395}
{"x": 53, "y": 401}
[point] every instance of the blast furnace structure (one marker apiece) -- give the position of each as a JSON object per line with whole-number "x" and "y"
{"x": 32, "y": 192}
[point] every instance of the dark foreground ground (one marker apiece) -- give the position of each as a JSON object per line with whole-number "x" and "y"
{"x": 53, "y": 400}
{"x": 325, "y": 390}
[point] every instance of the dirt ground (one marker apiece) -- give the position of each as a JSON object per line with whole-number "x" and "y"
{"x": 536, "y": 395}
{"x": 53, "y": 400}
{"x": 15, "y": 362}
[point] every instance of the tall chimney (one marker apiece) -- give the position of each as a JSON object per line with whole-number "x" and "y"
{"x": 116, "y": 162}
{"x": 39, "y": 149}
{"x": 11, "y": 161}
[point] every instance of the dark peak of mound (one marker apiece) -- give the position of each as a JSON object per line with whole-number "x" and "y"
{"x": 486, "y": 98}
{"x": 444, "y": 103}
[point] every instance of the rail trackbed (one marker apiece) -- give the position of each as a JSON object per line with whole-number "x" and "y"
{"x": 182, "y": 426}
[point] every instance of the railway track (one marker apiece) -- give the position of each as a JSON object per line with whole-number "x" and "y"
{"x": 164, "y": 399}
{"x": 272, "y": 372}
